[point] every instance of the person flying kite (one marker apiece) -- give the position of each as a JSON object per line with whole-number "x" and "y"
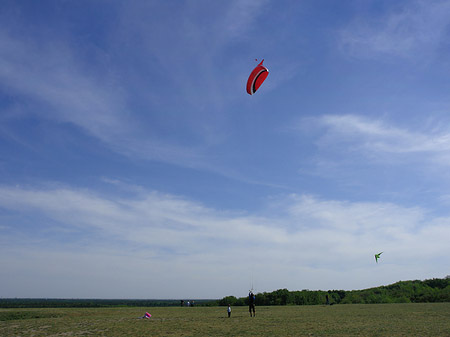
{"x": 251, "y": 303}
{"x": 377, "y": 256}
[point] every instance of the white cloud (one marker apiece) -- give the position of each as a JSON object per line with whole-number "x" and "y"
{"x": 378, "y": 136}
{"x": 178, "y": 243}
{"x": 50, "y": 74}
{"x": 411, "y": 30}
{"x": 148, "y": 219}
{"x": 241, "y": 16}
{"x": 57, "y": 86}
{"x": 365, "y": 217}
{"x": 112, "y": 94}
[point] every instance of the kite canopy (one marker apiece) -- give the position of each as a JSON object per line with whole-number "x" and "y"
{"x": 256, "y": 78}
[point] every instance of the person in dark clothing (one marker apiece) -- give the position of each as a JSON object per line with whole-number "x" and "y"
{"x": 251, "y": 303}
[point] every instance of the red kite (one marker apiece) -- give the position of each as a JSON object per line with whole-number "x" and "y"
{"x": 256, "y": 78}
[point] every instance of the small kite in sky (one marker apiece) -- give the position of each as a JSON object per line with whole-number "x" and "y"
{"x": 377, "y": 256}
{"x": 256, "y": 78}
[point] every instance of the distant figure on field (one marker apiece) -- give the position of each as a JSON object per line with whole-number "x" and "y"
{"x": 182, "y": 303}
{"x": 251, "y": 303}
{"x": 328, "y": 300}
{"x": 229, "y": 311}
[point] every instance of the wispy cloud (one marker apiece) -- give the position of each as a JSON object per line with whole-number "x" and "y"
{"x": 410, "y": 30}
{"x": 357, "y": 153}
{"x": 378, "y": 136}
{"x": 155, "y": 215}
{"x": 51, "y": 75}
{"x": 137, "y": 96}
{"x": 56, "y": 85}
{"x": 135, "y": 93}
{"x": 241, "y": 16}
{"x": 312, "y": 236}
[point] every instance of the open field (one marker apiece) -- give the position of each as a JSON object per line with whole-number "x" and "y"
{"x": 425, "y": 319}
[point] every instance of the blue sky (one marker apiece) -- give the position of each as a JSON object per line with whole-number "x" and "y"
{"x": 133, "y": 164}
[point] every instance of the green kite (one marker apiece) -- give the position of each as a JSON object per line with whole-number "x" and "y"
{"x": 377, "y": 256}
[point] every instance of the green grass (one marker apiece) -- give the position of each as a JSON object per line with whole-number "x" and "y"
{"x": 428, "y": 319}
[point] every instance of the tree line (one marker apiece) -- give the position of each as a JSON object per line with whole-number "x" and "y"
{"x": 89, "y": 303}
{"x": 433, "y": 290}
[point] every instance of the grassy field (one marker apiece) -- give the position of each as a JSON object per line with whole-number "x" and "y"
{"x": 338, "y": 320}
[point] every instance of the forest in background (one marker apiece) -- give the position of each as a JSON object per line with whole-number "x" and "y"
{"x": 95, "y": 303}
{"x": 433, "y": 290}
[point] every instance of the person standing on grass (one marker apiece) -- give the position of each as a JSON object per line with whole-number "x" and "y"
{"x": 251, "y": 303}
{"x": 229, "y": 311}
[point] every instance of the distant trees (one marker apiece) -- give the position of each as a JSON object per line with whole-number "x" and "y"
{"x": 433, "y": 290}
{"x": 233, "y": 301}
{"x": 91, "y": 303}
